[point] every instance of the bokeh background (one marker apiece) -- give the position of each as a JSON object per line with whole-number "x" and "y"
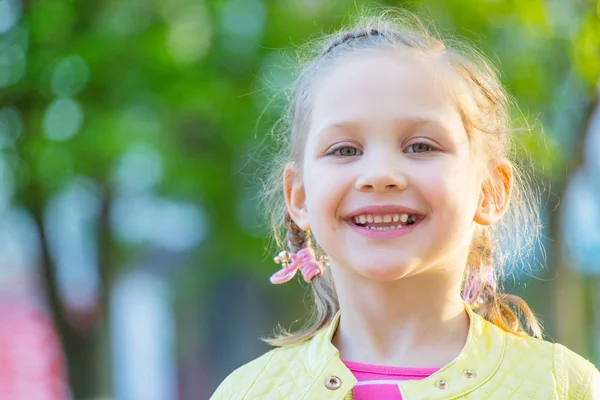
{"x": 134, "y": 262}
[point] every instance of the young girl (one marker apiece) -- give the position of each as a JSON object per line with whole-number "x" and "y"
{"x": 396, "y": 181}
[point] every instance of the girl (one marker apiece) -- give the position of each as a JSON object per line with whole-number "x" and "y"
{"x": 397, "y": 175}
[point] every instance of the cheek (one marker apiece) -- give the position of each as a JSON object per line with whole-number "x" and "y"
{"x": 316, "y": 184}
{"x": 325, "y": 190}
{"x": 451, "y": 189}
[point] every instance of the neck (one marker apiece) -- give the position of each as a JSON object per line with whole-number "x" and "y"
{"x": 417, "y": 321}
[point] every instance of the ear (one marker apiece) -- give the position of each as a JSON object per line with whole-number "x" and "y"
{"x": 295, "y": 195}
{"x": 495, "y": 194}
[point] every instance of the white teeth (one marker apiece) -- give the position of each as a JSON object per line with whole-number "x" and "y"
{"x": 387, "y": 218}
{"x": 386, "y": 228}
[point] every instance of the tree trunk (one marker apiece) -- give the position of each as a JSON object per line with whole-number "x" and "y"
{"x": 85, "y": 349}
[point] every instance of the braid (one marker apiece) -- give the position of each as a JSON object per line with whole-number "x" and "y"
{"x": 482, "y": 250}
{"x": 480, "y": 289}
{"x": 480, "y": 280}
{"x": 296, "y": 237}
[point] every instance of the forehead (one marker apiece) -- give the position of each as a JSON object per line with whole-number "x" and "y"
{"x": 381, "y": 86}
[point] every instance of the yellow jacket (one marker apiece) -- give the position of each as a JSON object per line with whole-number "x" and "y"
{"x": 494, "y": 364}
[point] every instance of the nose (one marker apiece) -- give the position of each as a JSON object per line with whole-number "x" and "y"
{"x": 380, "y": 176}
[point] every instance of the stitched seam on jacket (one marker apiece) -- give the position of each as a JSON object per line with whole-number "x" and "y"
{"x": 491, "y": 375}
{"x": 559, "y": 371}
{"x": 317, "y": 377}
{"x": 589, "y": 382}
{"x": 261, "y": 371}
{"x": 479, "y": 384}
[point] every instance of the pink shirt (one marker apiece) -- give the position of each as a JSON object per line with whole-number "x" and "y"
{"x": 377, "y": 382}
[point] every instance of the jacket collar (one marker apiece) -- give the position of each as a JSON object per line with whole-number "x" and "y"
{"x": 476, "y": 364}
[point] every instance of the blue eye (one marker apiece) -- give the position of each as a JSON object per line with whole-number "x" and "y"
{"x": 346, "y": 151}
{"x": 420, "y": 148}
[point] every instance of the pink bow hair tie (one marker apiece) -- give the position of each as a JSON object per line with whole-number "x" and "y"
{"x": 304, "y": 260}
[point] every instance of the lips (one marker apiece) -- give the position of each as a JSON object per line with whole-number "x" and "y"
{"x": 384, "y": 221}
{"x": 379, "y": 231}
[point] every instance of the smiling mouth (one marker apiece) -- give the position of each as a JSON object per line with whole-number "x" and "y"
{"x": 385, "y": 222}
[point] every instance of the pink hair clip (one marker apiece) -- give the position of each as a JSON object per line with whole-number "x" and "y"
{"x": 304, "y": 260}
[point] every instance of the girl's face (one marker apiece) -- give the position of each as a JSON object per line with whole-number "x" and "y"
{"x": 389, "y": 185}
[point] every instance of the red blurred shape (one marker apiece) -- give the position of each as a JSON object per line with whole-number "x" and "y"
{"x": 31, "y": 359}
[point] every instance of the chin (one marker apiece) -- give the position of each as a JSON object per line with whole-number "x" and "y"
{"x": 380, "y": 272}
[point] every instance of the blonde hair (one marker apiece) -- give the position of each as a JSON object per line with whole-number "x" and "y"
{"x": 485, "y": 116}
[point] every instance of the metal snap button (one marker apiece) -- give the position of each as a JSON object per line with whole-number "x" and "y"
{"x": 333, "y": 383}
{"x": 442, "y": 385}
{"x": 469, "y": 374}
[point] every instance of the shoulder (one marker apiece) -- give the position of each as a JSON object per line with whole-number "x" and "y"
{"x": 578, "y": 378}
{"x": 290, "y": 371}
{"x": 289, "y": 366}
{"x": 574, "y": 376}
{"x": 239, "y": 382}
